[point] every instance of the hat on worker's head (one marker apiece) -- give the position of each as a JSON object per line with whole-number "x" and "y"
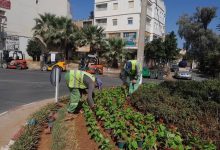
{"x": 98, "y": 82}
{"x": 128, "y": 67}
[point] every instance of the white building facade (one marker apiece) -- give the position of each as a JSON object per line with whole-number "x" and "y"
{"x": 20, "y": 19}
{"x": 121, "y": 18}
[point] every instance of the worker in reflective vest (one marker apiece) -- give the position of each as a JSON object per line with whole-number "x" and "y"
{"x": 78, "y": 80}
{"x": 131, "y": 75}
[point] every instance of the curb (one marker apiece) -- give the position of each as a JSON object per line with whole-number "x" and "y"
{"x": 17, "y": 124}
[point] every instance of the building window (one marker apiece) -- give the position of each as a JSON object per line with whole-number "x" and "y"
{"x": 130, "y": 39}
{"x": 101, "y": 22}
{"x": 130, "y": 20}
{"x": 115, "y": 22}
{"x": 114, "y": 35}
{"x": 101, "y": 7}
{"x": 115, "y": 6}
{"x": 131, "y": 4}
{"x": 36, "y": 1}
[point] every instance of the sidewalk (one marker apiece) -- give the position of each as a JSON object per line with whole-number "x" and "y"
{"x": 13, "y": 120}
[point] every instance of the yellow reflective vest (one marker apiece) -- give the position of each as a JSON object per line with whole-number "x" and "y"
{"x": 135, "y": 63}
{"x": 76, "y": 79}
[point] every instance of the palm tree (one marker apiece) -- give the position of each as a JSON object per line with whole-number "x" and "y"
{"x": 43, "y": 28}
{"x": 65, "y": 35}
{"x": 93, "y": 36}
{"x": 115, "y": 51}
{"x": 56, "y": 33}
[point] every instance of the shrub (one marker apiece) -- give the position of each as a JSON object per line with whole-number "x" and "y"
{"x": 187, "y": 105}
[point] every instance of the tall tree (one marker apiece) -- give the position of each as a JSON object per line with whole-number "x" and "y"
{"x": 34, "y": 50}
{"x": 155, "y": 50}
{"x": 56, "y": 33}
{"x": 170, "y": 47}
{"x": 91, "y": 16}
{"x": 92, "y": 36}
{"x": 200, "y": 42}
{"x": 115, "y": 52}
{"x": 205, "y": 15}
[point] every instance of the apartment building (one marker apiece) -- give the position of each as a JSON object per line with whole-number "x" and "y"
{"x": 20, "y": 15}
{"x": 121, "y": 18}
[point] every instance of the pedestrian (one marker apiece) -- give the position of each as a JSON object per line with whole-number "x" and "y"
{"x": 131, "y": 75}
{"x": 78, "y": 80}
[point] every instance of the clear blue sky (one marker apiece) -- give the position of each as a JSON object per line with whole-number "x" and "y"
{"x": 175, "y": 8}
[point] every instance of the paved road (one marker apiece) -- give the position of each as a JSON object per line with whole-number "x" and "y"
{"x": 18, "y": 87}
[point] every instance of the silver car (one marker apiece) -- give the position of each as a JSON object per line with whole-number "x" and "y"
{"x": 183, "y": 75}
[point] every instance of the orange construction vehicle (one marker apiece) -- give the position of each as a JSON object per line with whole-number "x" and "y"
{"x": 90, "y": 64}
{"x": 12, "y": 59}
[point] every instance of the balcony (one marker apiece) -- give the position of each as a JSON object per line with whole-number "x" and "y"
{"x": 101, "y": 7}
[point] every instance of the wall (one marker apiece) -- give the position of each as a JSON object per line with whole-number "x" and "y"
{"x": 20, "y": 18}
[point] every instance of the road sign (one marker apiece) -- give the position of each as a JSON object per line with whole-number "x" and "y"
{"x": 56, "y": 72}
{"x": 55, "y": 78}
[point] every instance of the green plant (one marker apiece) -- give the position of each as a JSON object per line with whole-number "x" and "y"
{"x": 31, "y": 135}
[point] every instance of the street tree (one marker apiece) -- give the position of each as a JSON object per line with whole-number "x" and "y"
{"x": 200, "y": 42}
{"x": 34, "y": 50}
{"x": 56, "y": 33}
{"x": 205, "y": 15}
{"x": 155, "y": 51}
{"x": 92, "y": 36}
{"x": 115, "y": 52}
{"x": 170, "y": 47}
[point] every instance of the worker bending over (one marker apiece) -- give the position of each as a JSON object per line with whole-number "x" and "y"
{"x": 131, "y": 75}
{"x": 80, "y": 80}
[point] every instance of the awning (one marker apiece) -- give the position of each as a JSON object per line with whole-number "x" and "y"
{"x": 6, "y": 4}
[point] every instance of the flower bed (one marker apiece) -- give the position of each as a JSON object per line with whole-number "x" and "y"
{"x": 184, "y": 104}
{"x": 31, "y": 134}
{"x": 131, "y": 129}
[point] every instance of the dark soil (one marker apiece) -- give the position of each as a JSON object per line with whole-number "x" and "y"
{"x": 83, "y": 139}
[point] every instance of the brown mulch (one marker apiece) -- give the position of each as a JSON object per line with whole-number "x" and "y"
{"x": 45, "y": 141}
{"x": 83, "y": 139}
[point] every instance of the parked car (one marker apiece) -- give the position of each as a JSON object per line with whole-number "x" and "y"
{"x": 174, "y": 68}
{"x": 183, "y": 64}
{"x": 183, "y": 75}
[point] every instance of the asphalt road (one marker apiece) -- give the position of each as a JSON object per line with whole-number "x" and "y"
{"x": 18, "y": 87}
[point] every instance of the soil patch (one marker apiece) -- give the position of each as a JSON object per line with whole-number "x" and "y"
{"x": 45, "y": 141}
{"x": 83, "y": 139}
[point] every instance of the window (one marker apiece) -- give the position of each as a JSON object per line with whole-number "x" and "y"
{"x": 115, "y": 22}
{"x": 101, "y": 7}
{"x": 36, "y": 1}
{"x": 101, "y": 22}
{"x": 115, "y": 6}
{"x": 130, "y": 39}
{"x": 130, "y": 20}
{"x": 131, "y": 4}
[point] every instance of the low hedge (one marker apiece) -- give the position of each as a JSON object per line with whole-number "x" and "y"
{"x": 183, "y": 104}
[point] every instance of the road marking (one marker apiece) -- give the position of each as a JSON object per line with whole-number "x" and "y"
{"x": 3, "y": 113}
{"x": 28, "y": 104}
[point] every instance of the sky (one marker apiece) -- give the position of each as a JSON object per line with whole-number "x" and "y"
{"x": 175, "y": 8}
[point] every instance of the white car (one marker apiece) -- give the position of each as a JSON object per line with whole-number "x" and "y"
{"x": 183, "y": 75}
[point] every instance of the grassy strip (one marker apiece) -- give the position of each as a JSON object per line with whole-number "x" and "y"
{"x": 58, "y": 132}
{"x": 31, "y": 135}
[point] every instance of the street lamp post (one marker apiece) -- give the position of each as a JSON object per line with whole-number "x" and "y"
{"x": 142, "y": 29}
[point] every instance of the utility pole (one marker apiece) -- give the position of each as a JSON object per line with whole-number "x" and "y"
{"x": 142, "y": 29}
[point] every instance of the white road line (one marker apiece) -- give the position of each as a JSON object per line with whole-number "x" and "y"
{"x": 3, "y": 113}
{"x": 28, "y": 104}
